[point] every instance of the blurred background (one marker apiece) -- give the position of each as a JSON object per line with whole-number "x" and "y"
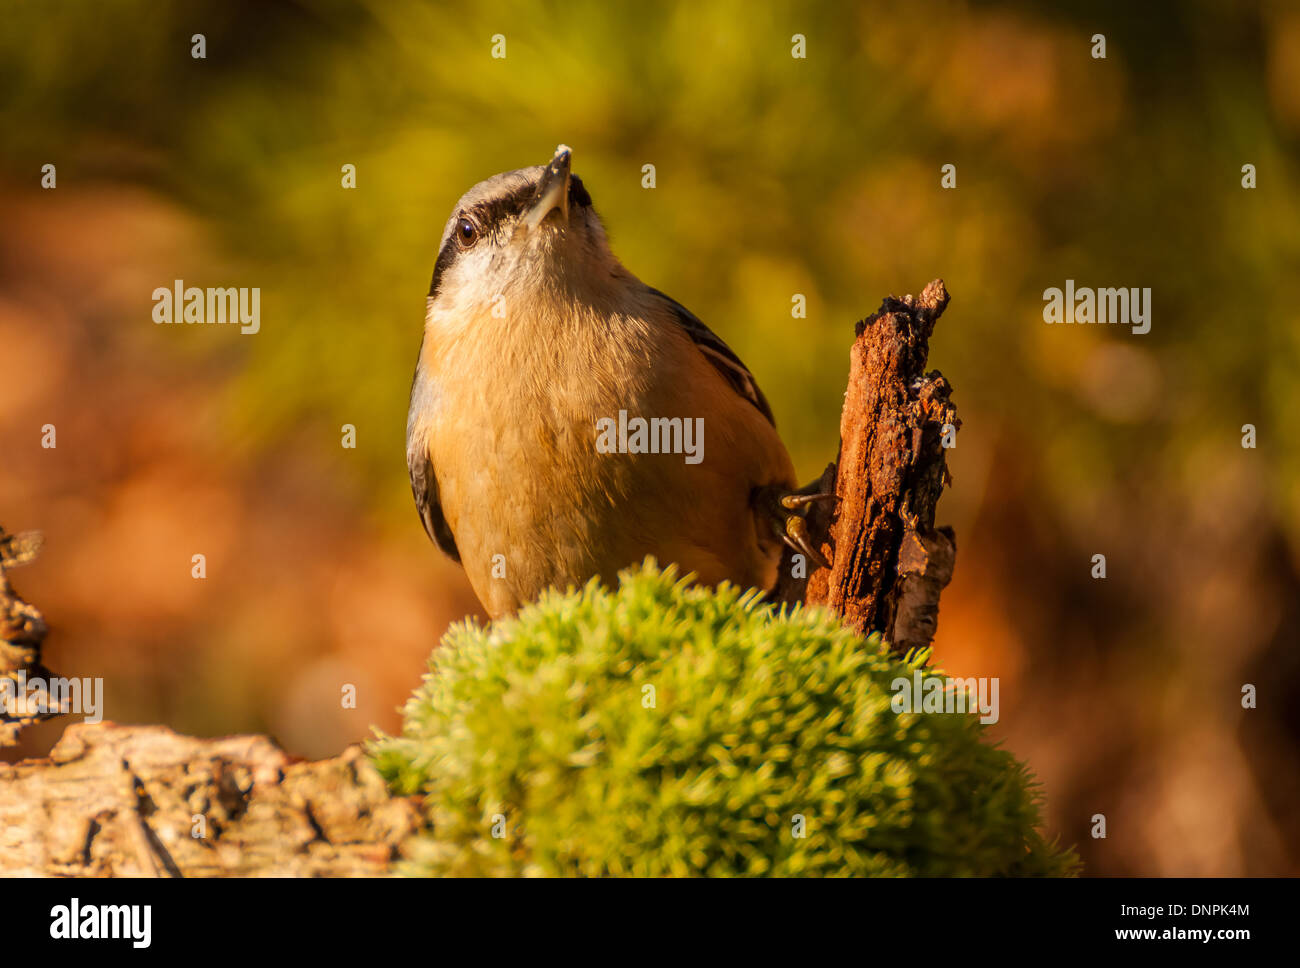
{"x": 775, "y": 176}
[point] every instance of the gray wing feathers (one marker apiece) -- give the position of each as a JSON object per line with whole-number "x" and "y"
{"x": 424, "y": 485}
{"x": 720, "y": 355}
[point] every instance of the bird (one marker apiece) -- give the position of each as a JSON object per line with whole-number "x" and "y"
{"x": 535, "y": 338}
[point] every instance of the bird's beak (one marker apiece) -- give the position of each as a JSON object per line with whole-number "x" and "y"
{"x": 552, "y": 191}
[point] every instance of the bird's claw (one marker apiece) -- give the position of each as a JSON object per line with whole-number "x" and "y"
{"x": 796, "y": 536}
{"x": 793, "y": 528}
{"x": 797, "y": 499}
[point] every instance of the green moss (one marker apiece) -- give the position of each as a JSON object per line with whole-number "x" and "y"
{"x": 665, "y": 729}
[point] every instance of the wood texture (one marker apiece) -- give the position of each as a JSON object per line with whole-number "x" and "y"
{"x": 143, "y": 801}
{"x": 888, "y": 561}
{"x": 23, "y": 698}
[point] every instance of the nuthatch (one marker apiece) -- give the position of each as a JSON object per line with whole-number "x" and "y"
{"x": 536, "y": 337}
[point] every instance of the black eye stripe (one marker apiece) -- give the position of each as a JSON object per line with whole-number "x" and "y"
{"x": 445, "y": 258}
{"x": 578, "y": 194}
{"x": 492, "y": 211}
{"x": 487, "y": 214}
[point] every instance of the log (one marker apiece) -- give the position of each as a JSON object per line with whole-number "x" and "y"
{"x": 143, "y": 801}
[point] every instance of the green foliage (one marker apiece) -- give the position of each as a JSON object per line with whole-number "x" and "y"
{"x": 757, "y": 716}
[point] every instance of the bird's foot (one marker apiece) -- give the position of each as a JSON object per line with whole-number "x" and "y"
{"x": 783, "y": 509}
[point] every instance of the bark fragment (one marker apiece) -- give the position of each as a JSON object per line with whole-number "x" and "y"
{"x": 889, "y": 562}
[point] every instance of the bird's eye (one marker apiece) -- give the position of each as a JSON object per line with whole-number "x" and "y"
{"x": 466, "y": 232}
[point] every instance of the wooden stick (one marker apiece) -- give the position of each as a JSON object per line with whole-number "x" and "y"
{"x": 889, "y": 562}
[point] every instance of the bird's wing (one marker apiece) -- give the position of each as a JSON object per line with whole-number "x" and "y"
{"x": 424, "y": 485}
{"x": 720, "y": 355}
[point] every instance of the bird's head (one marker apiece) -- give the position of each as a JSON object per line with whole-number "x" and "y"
{"x": 520, "y": 235}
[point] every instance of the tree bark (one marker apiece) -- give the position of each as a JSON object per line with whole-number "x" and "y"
{"x": 888, "y": 561}
{"x": 22, "y": 632}
{"x": 143, "y": 801}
